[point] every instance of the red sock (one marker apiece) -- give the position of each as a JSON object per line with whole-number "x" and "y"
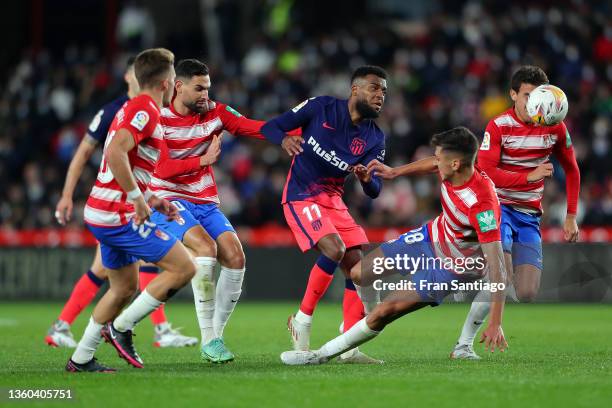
{"x": 147, "y": 274}
{"x": 320, "y": 277}
{"x": 83, "y": 293}
{"x": 352, "y": 307}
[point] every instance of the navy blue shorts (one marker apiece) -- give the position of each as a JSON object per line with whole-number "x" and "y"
{"x": 124, "y": 245}
{"x": 520, "y": 234}
{"x": 417, "y": 244}
{"x": 208, "y": 215}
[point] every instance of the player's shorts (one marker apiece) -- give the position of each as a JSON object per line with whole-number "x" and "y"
{"x": 124, "y": 245}
{"x": 520, "y": 234}
{"x": 417, "y": 244}
{"x": 208, "y": 215}
{"x": 310, "y": 222}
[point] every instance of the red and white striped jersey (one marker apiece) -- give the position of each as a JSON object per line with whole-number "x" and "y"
{"x": 178, "y": 174}
{"x": 511, "y": 149}
{"x": 470, "y": 217}
{"x": 107, "y": 205}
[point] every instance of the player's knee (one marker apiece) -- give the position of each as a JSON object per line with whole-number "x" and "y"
{"x": 335, "y": 251}
{"x": 383, "y": 313}
{"x": 204, "y": 246}
{"x": 125, "y": 291}
{"x": 234, "y": 259}
{"x": 526, "y": 294}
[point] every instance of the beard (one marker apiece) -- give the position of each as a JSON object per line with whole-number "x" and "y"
{"x": 193, "y": 106}
{"x": 365, "y": 110}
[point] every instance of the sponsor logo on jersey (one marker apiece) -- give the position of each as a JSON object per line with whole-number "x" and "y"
{"x": 232, "y": 111}
{"x": 486, "y": 141}
{"x": 140, "y": 120}
{"x": 329, "y": 157}
{"x": 161, "y": 235}
{"x": 486, "y": 221}
{"x": 357, "y": 146}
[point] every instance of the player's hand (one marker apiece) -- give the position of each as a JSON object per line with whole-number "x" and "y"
{"x": 142, "y": 211}
{"x": 63, "y": 210}
{"x": 164, "y": 206}
{"x": 570, "y": 228}
{"x": 381, "y": 170}
{"x": 540, "y": 172}
{"x": 212, "y": 153}
{"x": 493, "y": 336}
{"x": 293, "y": 145}
{"x": 209, "y": 105}
{"x": 362, "y": 174}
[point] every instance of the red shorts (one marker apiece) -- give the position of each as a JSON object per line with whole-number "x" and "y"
{"x": 310, "y": 222}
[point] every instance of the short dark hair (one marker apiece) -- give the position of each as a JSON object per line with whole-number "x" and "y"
{"x": 528, "y": 74}
{"x": 188, "y": 68}
{"x": 365, "y": 70}
{"x": 151, "y": 65}
{"x": 458, "y": 139}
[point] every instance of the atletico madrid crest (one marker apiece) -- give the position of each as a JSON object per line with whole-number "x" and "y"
{"x": 357, "y": 146}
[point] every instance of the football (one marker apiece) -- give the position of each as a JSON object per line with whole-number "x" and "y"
{"x": 547, "y": 105}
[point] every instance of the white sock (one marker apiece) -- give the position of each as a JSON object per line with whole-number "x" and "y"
{"x": 89, "y": 343}
{"x": 140, "y": 308}
{"x": 478, "y": 313}
{"x": 353, "y": 337}
{"x": 369, "y": 296}
{"x": 229, "y": 288}
{"x": 303, "y": 318}
{"x": 203, "y": 285}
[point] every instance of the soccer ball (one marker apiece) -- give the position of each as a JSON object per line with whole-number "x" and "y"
{"x": 547, "y": 105}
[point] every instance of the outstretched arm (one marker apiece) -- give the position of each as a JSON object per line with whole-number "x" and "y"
{"x": 424, "y": 166}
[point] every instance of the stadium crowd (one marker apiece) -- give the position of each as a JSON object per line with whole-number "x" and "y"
{"x": 448, "y": 69}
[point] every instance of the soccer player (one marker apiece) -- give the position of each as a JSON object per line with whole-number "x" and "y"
{"x": 515, "y": 154}
{"x": 59, "y": 335}
{"x": 117, "y": 213}
{"x": 468, "y": 227}
{"x": 191, "y": 123}
{"x": 340, "y": 138}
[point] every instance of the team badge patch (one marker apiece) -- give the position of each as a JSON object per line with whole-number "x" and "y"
{"x": 161, "y": 235}
{"x": 140, "y": 120}
{"x": 180, "y": 220}
{"x": 316, "y": 225}
{"x": 568, "y": 139}
{"x": 486, "y": 142}
{"x": 357, "y": 146}
{"x": 486, "y": 221}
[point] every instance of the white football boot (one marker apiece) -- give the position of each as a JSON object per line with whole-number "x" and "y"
{"x": 300, "y": 357}
{"x": 166, "y": 336}
{"x": 59, "y": 335}
{"x": 300, "y": 334}
{"x": 464, "y": 352}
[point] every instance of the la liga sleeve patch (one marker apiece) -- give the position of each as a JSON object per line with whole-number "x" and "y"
{"x": 486, "y": 141}
{"x": 140, "y": 120}
{"x": 486, "y": 221}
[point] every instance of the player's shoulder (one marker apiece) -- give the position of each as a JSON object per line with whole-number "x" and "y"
{"x": 142, "y": 104}
{"x": 504, "y": 119}
{"x": 315, "y": 103}
{"x": 483, "y": 186}
{"x": 113, "y": 106}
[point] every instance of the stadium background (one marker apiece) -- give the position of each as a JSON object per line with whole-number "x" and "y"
{"x": 449, "y": 62}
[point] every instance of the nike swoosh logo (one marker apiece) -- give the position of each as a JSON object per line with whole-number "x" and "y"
{"x": 169, "y": 133}
{"x": 112, "y": 334}
{"x": 326, "y": 126}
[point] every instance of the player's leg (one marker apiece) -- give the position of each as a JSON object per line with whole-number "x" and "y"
{"x": 229, "y": 286}
{"x": 84, "y": 291}
{"x": 164, "y": 334}
{"x": 203, "y": 248}
{"x": 123, "y": 279}
{"x": 312, "y": 227}
{"x": 527, "y": 257}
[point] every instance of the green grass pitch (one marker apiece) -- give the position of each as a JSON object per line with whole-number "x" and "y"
{"x": 560, "y": 355}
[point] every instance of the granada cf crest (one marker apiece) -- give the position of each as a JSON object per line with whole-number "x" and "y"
{"x": 316, "y": 225}
{"x": 161, "y": 235}
{"x": 357, "y": 146}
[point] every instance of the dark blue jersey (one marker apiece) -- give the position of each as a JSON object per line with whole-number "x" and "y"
{"x": 99, "y": 125}
{"x": 333, "y": 145}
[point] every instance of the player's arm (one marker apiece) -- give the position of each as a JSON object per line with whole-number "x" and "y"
{"x": 371, "y": 183}
{"x": 564, "y": 152}
{"x": 493, "y": 335}
{"x": 489, "y": 156}
{"x": 166, "y": 168}
{"x": 63, "y": 210}
{"x": 424, "y": 166}
{"x": 275, "y": 130}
